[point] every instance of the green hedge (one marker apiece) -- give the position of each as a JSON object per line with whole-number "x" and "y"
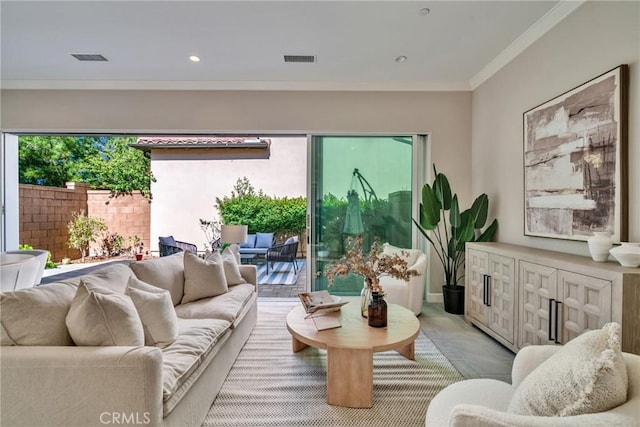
{"x": 282, "y": 216}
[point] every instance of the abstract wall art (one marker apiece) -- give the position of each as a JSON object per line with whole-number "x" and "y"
{"x": 575, "y": 161}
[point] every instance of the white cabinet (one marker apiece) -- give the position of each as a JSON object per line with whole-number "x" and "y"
{"x": 557, "y": 306}
{"x": 523, "y": 296}
{"x": 490, "y": 292}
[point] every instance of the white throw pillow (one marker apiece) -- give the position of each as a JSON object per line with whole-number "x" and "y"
{"x": 231, "y": 267}
{"x": 36, "y": 316}
{"x": 155, "y": 308}
{"x": 101, "y": 317}
{"x": 203, "y": 278}
{"x": 587, "y": 375}
{"x": 409, "y": 255}
{"x": 165, "y": 272}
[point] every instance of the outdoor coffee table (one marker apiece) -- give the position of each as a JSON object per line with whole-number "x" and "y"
{"x": 350, "y": 348}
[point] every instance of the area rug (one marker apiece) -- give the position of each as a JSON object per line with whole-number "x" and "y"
{"x": 271, "y": 386}
{"x": 282, "y": 273}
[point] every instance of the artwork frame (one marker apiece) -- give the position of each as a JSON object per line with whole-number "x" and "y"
{"x": 575, "y": 160}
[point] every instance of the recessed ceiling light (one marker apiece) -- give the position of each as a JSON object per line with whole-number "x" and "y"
{"x": 194, "y": 58}
{"x": 424, "y": 11}
{"x": 401, "y": 58}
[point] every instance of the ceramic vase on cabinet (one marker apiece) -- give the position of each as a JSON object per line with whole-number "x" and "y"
{"x": 599, "y": 245}
{"x": 627, "y": 254}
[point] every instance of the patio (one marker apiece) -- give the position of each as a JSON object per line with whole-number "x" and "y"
{"x": 264, "y": 291}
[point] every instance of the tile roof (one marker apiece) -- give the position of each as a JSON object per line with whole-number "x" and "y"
{"x": 200, "y": 141}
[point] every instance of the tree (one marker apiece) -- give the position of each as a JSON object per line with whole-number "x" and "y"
{"x": 53, "y": 160}
{"x": 120, "y": 168}
{"x": 83, "y": 230}
{"x": 102, "y": 162}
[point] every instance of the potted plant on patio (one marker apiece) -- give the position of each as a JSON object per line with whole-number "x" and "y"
{"x": 137, "y": 246}
{"x": 451, "y": 229}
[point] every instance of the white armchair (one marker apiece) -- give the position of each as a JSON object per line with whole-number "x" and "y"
{"x": 41, "y": 256}
{"x": 484, "y": 402}
{"x": 407, "y": 294}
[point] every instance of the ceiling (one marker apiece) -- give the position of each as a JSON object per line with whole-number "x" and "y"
{"x": 455, "y": 46}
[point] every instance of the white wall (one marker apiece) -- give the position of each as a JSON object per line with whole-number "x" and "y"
{"x": 597, "y": 37}
{"x": 446, "y": 116}
{"x": 190, "y": 180}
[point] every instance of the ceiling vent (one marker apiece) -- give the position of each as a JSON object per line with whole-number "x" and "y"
{"x": 307, "y": 59}
{"x": 89, "y": 57}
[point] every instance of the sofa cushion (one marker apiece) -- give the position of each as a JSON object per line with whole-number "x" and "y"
{"x": 256, "y": 251}
{"x": 409, "y": 255}
{"x": 114, "y": 276}
{"x": 264, "y": 240}
{"x": 195, "y": 345}
{"x": 585, "y": 376}
{"x": 166, "y": 273}
{"x": 156, "y": 312}
{"x": 231, "y": 268}
{"x": 50, "y": 302}
{"x": 250, "y": 243}
{"x": 203, "y": 278}
{"x": 226, "y": 307}
{"x": 101, "y": 317}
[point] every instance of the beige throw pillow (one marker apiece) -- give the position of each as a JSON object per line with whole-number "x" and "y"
{"x": 203, "y": 278}
{"x": 231, "y": 267}
{"x": 36, "y": 316}
{"x": 587, "y": 375}
{"x": 165, "y": 272}
{"x": 102, "y": 317}
{"x": 156, "y": 312}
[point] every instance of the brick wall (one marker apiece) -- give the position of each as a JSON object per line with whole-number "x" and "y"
{"x": 46, "y": 211}
{"x": 44, "y": 214}
{"x": 125, "y": 215}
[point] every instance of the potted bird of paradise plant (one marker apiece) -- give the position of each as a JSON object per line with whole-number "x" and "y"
{"x": 448, "y": 230}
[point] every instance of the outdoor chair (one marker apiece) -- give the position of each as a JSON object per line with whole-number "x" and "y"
{"x": 170, "y": 246}
{"x": 284, "y": 252}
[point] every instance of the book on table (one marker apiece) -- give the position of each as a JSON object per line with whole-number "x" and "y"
{"x": 320, "y": 301}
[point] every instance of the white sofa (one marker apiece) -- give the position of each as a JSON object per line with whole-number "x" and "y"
{"x": 484, "y": 402}
{"x": 407, "y": 294}
{"x": 48, "y": 381}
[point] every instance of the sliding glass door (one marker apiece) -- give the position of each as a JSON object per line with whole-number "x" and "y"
{"x": 359, "y": 186}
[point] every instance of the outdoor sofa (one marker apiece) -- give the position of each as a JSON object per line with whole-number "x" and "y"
{"x": 47, "y": 380}
{"x": 257, "y": 244}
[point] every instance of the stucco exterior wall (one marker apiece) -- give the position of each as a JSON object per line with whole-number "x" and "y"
{"x": 189, "y": 180}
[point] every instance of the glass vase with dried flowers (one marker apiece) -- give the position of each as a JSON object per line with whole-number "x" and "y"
{"x": 370, "y": 266}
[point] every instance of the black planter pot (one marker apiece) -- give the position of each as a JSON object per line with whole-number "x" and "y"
{"x": 453, "y": 299}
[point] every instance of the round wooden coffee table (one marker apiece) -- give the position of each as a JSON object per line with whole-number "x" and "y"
{"x": 350, "y": 348}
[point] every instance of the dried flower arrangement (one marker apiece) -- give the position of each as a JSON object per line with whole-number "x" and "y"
{"x": 370, "y": 266}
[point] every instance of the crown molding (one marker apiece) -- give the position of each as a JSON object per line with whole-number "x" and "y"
{"x": 560, "y": 11}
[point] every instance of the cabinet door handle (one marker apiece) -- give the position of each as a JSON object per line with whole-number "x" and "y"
{"x": 550, "y": 317}
{"x": 488, "y": 291}
{"x": 484, "y": 289}
{"x": 558, "y": 314}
